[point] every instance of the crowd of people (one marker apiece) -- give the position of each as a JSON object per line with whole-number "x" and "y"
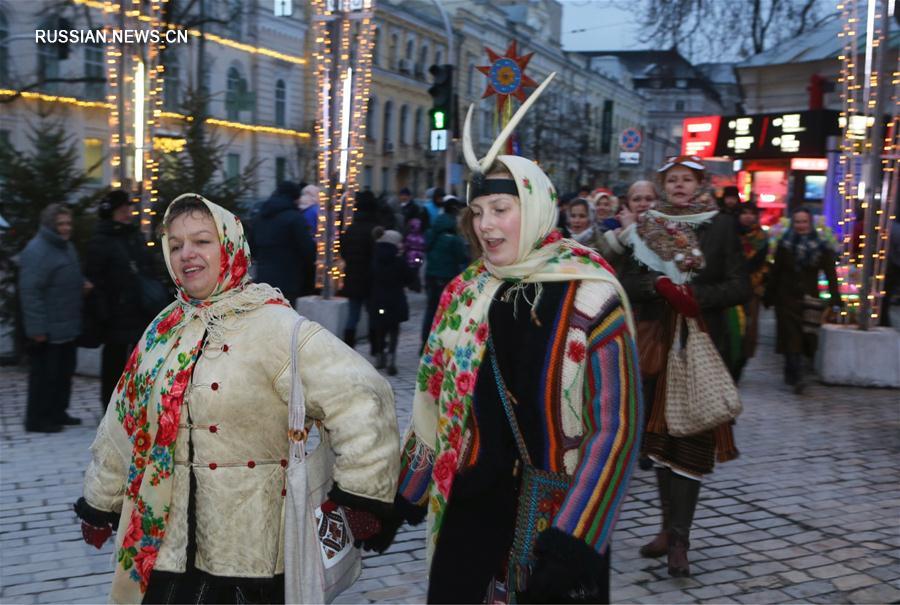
{"x": 542, "y": 379}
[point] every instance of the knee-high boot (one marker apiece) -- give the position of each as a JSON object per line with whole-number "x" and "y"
{"x": 350, "y": 338}
{"x": 660, "y": 544}
{"x": 684, "y": 494}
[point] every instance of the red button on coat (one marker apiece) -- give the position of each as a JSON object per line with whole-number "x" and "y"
{"x": 251, "y": 464}
{"x": 212, "y": 466}
{"x": 224, "y": 348}
{"x": 213, "y": 429}
{"x": 283, "y": 462}
{"x": 214, "y": 386}
{"x": 283, "y": 493}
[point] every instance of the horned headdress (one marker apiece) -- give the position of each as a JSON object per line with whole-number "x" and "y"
{"x": 478, "y": 185}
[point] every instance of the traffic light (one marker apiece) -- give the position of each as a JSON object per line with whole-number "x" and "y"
{"x": 441, "y": 97}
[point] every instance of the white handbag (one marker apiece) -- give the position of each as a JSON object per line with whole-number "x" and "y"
{"x": 320, "y": 561}
{"x": 700, "y": 393}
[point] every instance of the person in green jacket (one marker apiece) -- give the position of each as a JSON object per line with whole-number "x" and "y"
{"x": 446, "y": 257}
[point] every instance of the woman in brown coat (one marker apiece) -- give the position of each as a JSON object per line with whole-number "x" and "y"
{"x": 685, "y": 261}
{"x": 794, "y": 278}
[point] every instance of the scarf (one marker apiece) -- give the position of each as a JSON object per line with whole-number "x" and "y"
{"x": 149, "y": 395}
{"x": 585, "y": 238}
{"x": 453, "y": 353}
{"x": 806, "y": 249}
{"x": 753, "y": 240}
{"x": 665, "y": 239}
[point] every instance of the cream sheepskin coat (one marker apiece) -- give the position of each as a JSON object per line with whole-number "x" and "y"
{"x": 236, "y": 409}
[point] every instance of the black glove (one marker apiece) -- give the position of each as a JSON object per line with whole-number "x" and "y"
{"x": 566, "y": 570}
{"x": 96, "y": 525}
{"x": 374, "y": 522}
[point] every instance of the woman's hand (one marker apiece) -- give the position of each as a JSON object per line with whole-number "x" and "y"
{"x": 626, "y": 216}
{"x": 681, "y": 297}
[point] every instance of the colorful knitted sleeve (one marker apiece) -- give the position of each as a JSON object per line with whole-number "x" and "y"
{"x": 416, "y": 462}
{"x": 612, "y": 419}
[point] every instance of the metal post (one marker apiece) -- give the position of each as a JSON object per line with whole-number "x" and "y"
{"x": 873, "y": 173}
{"x": 120, "y": 99}
{"x": 451, "y": 60}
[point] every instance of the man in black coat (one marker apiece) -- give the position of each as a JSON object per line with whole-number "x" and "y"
{"x": 283, "y": 249}
{"x": 356, "y": 248}
{"x": 117, "y": 260}
{"x": 410, "y": 209}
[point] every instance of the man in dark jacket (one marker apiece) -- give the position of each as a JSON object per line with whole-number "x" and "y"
{"x": 117, "y": 261}
{"x": 410, "y": 209}
{"x": 282, "y": 245}
{"x": 446, "y": 257}
{"x": 51, "y": 287}
{"x": 357, "y": 247}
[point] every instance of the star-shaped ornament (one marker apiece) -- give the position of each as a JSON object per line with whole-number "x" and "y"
{"x": 506, "y": 75}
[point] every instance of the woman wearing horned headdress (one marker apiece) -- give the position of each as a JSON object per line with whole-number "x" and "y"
{"x": 685, "y": 260}
{"x": 535, "y": 334}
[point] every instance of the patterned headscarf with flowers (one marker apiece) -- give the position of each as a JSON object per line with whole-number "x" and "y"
{"x": 665, "y": 239}
{"x": 453, "y": 354}
{"x": 149, "y": 395}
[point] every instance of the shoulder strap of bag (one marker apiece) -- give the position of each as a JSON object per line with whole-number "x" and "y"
{"x": 297, "y": 413}
{"x": 507, "y": 407}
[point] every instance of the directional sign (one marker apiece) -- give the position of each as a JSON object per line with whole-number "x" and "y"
{"x": 630, "y": 139}
{"x": 438, "y": 140}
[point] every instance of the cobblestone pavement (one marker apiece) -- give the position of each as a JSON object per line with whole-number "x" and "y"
{"x": 810, "y": 512}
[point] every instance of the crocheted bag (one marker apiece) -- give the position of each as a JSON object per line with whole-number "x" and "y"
{"x": 540, "y": 496}
{"x": 700, "y": 393}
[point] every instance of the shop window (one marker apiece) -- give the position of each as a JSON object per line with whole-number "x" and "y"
{"x": 93, "y": 160}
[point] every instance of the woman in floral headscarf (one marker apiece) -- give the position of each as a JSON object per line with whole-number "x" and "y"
{"x": 189, "y": 461}
{"x": 545, "y": 317}
{"x": 794, "y": 290}
{"x": 685, "y": 261}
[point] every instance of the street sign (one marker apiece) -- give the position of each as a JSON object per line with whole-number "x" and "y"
{"x": 629, "y": 157}
{"x": 630, "y": 139}
{"x": 439, "y": 140}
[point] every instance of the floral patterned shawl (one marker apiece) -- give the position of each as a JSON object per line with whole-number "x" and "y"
{"x": 452, "y": 356}
{"x": 665, "y": 238}
{"x": 150, "y": 392}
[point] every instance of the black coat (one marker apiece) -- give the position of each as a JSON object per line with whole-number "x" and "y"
{"x": 283, "y": 249}
{"x": 721, "y": 284}
{"x": 390, "y": 274}
{"x": 357, "y": 245}
{"x": 116, "y": 255}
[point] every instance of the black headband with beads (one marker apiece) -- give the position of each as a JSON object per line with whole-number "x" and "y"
{"x": 479, "y": 186}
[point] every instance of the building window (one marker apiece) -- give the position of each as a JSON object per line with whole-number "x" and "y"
{"x": 423, "y": 61}
{"x": 233, "y": 94}
{"x": 392, "y": 52}
{"x": 280, "y": 103}
{"x": 4, "y": 51}
{"x": 404, "y": 119}
{"x": 410, "y": 49}
{"x": 171, "y": 76}
{"x": 681, "y": 83}
{"x": 94, "y": 68}
{"x": 48, "y": 60}
{"x": 439, "y": 57}
{"x": 232, "y": 166}
{"x": 386, "y": 130}
{"x": 385, "y": 178}
{"x": 487, "y": 129}
{"x": 376, "y": 48}
{"x": 93, "y": 160}
{"x": 418, "y": 133}
{"x": 679, "y": 105}
{"x": 367, "y": 178}
{"x": 283, "y": 8}
{"x": 280, "y": 170}
{"x": 470, "y": 85}
{"x": 371, "y": 113}
{"x": 235, "y": 23}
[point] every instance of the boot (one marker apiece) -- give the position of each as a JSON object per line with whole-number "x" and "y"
{"x": 684, "y": 494}
{"x": 660, "y": 544}
{"x": 391, "y": 368}
{"x": 350, "y": 338}
{"x": 372, "y": 344}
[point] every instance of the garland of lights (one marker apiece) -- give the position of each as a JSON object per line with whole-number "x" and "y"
{"x": 343, "y": 81}
{"x": 859, "y": 92}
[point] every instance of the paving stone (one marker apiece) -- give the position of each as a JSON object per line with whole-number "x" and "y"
{"x": 835, "y": 570}
{"x": 763, "y": 596}
{"x": 807, "y": 590}
{"x": 850, "y": 583}
{"x": 882, "y": 593}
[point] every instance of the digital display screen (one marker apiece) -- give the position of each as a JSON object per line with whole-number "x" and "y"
{"x": 814, "y": 187}
{"x": 775, "y": 135}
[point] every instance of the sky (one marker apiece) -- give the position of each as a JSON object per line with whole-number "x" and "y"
{"x": 599, "y": 25}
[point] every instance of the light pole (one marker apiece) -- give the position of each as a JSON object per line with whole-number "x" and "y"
{"x": 451, "y": 60}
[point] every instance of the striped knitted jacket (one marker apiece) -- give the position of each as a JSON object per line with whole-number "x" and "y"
{"x": 592, "y": 416}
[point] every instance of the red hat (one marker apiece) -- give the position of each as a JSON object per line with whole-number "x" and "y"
{"x": 688, "y": 161}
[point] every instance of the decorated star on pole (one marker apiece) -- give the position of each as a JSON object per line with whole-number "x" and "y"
{"x": 506, "y": 75}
